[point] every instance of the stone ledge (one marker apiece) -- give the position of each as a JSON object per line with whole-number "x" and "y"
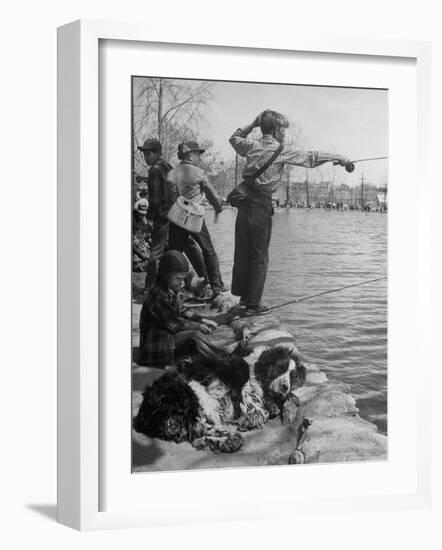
{"x": 336, "y": 432}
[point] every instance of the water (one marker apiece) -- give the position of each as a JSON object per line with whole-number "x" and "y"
{"x": 344, "y": 333}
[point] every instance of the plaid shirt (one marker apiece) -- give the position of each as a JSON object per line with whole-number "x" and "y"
{"x": 258, "y": 152}
{"x": 162, "y": 316}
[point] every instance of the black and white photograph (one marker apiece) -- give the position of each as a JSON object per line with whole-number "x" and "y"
{"x": 259, "y": 274}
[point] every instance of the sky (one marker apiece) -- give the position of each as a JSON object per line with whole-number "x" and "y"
{"x": 352, "y": 122}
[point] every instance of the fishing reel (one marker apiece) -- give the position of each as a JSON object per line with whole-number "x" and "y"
{"x": 349, "y": 166}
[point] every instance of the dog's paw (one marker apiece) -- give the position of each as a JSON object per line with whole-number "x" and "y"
{"x": 272, "y": 409}
{"x": 232, "y": 443}
{"x": 297, "y": 457}
{"x": 200, "y": 443}
{"x": 252, "y": 420}
{"x": 290, "y": 409}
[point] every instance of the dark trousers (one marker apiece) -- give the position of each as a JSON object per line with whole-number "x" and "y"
{"x": 158, "y": 242}
{"x": 253, "y": 230}
{"x": 179, "y": 239}
{"x": 196, "y": 258}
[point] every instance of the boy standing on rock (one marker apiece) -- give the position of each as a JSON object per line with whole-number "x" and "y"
{"x": 253, "y": 226}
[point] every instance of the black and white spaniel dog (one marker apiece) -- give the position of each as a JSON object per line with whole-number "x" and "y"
{"x": 210, "y": 402}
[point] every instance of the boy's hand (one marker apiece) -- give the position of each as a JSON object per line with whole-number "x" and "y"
{"x": 209, "y": 323}
{"x": 341, "y": 161}
{"x": 204, "y": 328}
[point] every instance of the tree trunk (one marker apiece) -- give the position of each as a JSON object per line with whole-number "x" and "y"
{"x": 160, "y": 109}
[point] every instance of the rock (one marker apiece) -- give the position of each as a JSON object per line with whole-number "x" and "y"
{"x": 290, "y": 409}
{"x": 305, "y": 393}
{"x": 144, "y": 376}
{"x": 224, "y": 339}
{"x": 332, "y": 400}
{"x": 254, "y": 324}
{"x": 314, "y": 376}
{"x": 137, "y": 399}
{"x": 325, "y": 427}
{"x": 343, "y": 439}
{"x": 271, "y": 338}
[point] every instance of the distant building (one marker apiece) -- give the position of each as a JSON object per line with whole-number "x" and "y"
{"x": 382, "y": 198}
{"x": 326, "y": 192}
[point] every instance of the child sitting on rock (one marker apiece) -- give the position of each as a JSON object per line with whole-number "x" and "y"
{"x": 166, "y": 329}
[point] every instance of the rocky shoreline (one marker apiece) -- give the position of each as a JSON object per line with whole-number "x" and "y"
{"x": 328, "y": 427}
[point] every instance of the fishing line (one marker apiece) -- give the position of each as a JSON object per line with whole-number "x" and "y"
{"x": 373, "y": 158}
{"x": 297, "y": 300}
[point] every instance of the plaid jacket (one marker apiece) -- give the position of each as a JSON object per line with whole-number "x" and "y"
{"x": 162, "y": 316}
{"x": 258, "y": 152}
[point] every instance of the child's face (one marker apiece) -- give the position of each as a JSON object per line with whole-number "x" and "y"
{"x": 150, "y": 157}
{"x": 176, "y": 281}
{"x": 195, "y": 157}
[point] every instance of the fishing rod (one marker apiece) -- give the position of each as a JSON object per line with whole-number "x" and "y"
{"x": 373, "y": 158}
{"x": 297, "y": 300}
{"x": 350, "y": 165}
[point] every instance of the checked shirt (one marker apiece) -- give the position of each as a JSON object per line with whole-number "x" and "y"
{"x": 162, "y": 316}
{"x": 258, "y": 152}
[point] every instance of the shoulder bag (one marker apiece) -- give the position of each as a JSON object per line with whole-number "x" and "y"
{"x": 242, "y": 191}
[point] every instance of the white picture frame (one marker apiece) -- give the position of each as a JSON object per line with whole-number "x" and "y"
{"x": 79, "y": 294}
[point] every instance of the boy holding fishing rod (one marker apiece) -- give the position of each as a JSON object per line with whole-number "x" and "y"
{"x": 265, "y": 160}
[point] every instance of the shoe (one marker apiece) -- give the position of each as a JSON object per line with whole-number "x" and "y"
{"x": 224, "y": 288}
{"x": 256, "y": 310}
{"x": 242, "y": 303}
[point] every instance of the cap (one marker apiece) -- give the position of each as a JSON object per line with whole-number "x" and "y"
{"x": 150, "y": 144}
{"x": 187, "y": 147}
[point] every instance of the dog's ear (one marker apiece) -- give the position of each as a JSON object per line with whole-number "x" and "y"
{"x": 297, "y": 377}
{"x": 297, "y": 357}
{"x": 262, "y": 367}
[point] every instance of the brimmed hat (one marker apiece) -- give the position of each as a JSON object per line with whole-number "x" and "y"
{"x": 141, "y": 206}
{"x": 150, "y": 144}
{"x": 187, "y": 147}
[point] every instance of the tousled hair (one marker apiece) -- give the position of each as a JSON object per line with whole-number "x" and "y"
{"x": 270, "y": 121}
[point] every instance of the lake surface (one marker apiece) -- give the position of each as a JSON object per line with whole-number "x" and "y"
{"x": 344, "y": 333}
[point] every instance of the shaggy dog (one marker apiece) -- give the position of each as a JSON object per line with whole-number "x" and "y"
{"x": 210, "y": 402}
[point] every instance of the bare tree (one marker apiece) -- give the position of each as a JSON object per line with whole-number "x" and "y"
{"x": 294, "y": 138}
{"x": 170, "y": 110}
